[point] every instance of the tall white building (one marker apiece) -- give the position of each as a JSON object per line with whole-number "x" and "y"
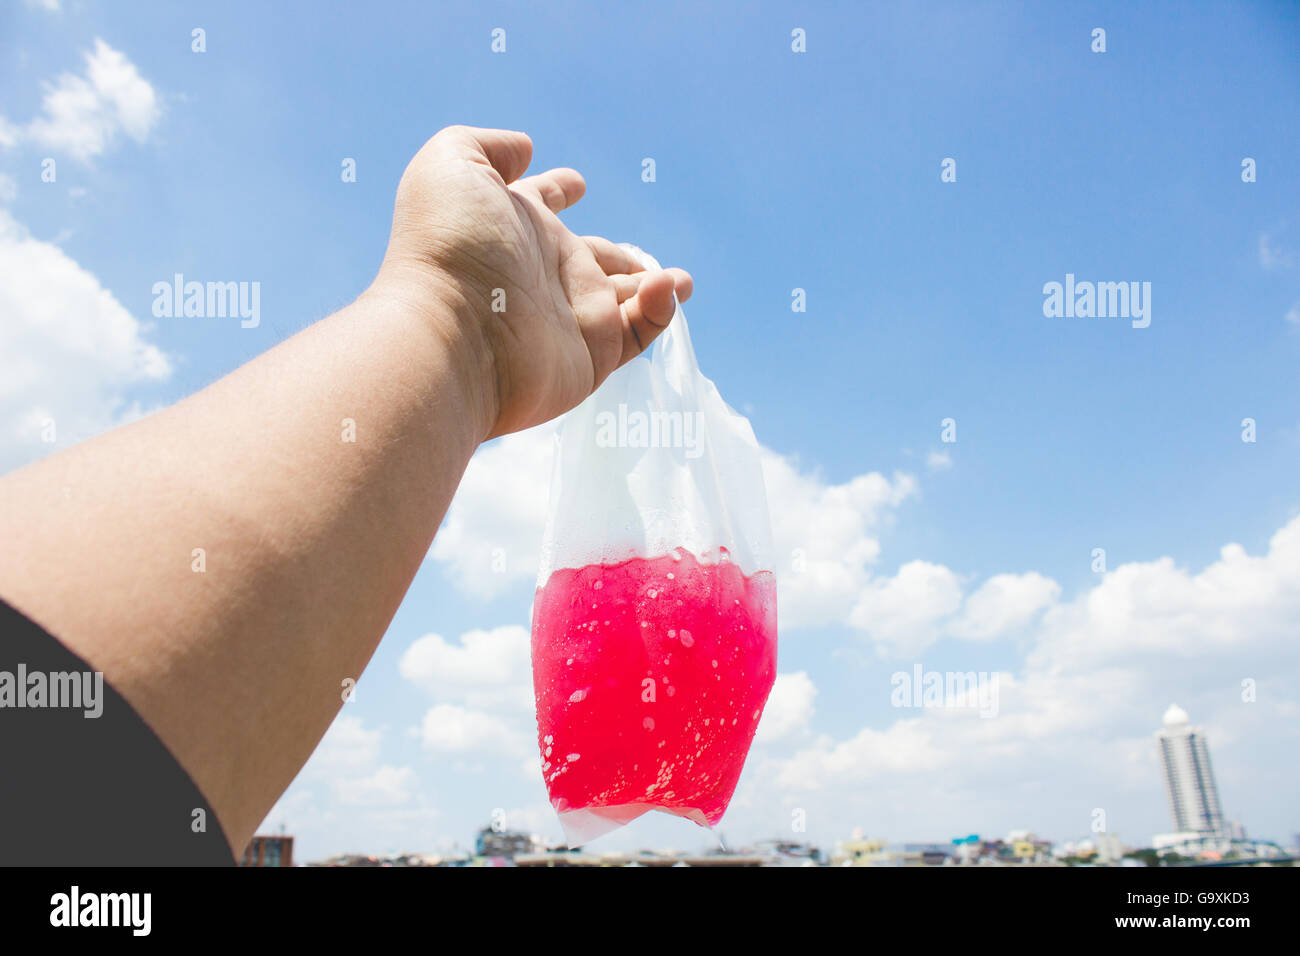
{"x": 1189, "y": 778}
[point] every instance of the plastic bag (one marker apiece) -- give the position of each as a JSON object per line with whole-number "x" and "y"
{"x": 654, "y": 621}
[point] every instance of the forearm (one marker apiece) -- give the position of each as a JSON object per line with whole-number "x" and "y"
{"x": 308, "y": 540}
{"x": 230, "y": 562}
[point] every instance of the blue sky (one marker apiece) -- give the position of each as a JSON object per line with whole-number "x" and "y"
{"x": 775, "y": 170}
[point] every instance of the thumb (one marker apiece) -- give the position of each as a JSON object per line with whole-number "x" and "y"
{"x": 507, "y": 151}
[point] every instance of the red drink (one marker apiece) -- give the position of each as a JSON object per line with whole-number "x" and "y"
{"x": 651, "y": 676}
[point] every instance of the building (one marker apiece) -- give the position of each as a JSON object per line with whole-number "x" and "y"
{"x": 1215, "y": 846}
{"x": 860, "y": 851}
{"x": 785, "y": 853}
{"x": 967, "y": 849}
{"x": 268, "y": 851}
{"x": 1110, "y": 848}
{"x": 1189, "y": 778}
{"x": 568, "y": 858}
{"x": 504, "y": 844}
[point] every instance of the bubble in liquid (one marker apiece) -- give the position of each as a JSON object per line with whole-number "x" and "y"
{"x": 648, "y": 723}
{"x": 687, "y": 640}
{"x": 572, "y": 757}
{"x": 598, "y": 585}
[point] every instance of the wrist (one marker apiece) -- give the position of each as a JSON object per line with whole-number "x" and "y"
{"x": 452, "y": 322}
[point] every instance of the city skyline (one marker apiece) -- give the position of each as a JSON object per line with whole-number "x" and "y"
{"x": 1191, "y": 793}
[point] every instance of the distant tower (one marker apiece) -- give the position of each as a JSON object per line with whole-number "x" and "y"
{"x": 1189, "y": 778}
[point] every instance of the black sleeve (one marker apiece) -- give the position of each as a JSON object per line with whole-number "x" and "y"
{"x": 83, "y": 780}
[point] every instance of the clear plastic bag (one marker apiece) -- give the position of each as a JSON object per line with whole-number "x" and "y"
{"x": 654, "y": 622}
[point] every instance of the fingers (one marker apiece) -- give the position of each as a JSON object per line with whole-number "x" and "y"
{"x": 507, "y": 151}
{"x": 625, "y": 286}
{"x": 626, "y": 271}
{"x": 558, "y": 188}
{"x": 647, "y": 313}
{"x": 683, "y": 284}
{"x": 610, "y": 257}
{"x": 618, "y": 327}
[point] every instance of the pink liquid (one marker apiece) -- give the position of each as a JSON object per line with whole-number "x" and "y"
{"x": 651, "y": 676}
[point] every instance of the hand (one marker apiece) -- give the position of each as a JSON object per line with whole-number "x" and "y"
{"x": 540, "y": 316}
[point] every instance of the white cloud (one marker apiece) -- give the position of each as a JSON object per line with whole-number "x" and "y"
{"x": 50, "y": 5}
{"x": 1272, "y": 256}
{"x": 69, "y": 349}
{"x": 789, "y": 708}
{"x": 1154, "y": 608}
{"x": 449, "y": 728}
{"x": 1293, "y": 314}
{"x": 484, "y": 668}
{"x": 939, "y": 460}
{"x": 347, "y": 748}
{"x": 904, "y": 614}
{"x": 8, "y": 185}
{"x": 483, "y": 691}
{"x": 346, "y": 788}
{"x": 1152, "y": 605}
{"x": 924, "y": 602}
{"x": 83, "y": 115}
{"x": 492, "y": 535}
{"x": 348, "y": 761}
{"x": 387, "y": 786}
{"x": 905, "y": 747}
{"x": 824, "y": 537}
{"x": 1003, "y": 604}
